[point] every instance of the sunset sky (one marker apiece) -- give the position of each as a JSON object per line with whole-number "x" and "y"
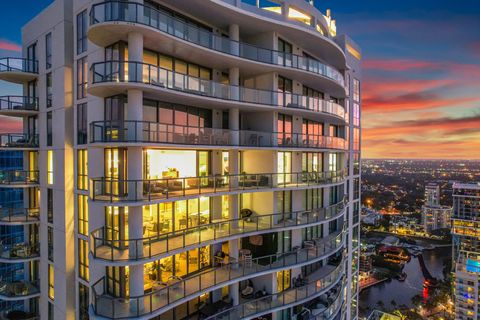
{"x": 421, "y": 87}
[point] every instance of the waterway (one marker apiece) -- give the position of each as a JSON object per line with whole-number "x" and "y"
{"x": 402, "y": 292}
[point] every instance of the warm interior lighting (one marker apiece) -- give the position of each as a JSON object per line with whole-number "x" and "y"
{"x": 294, "y": 14}
{"x": 171, "y": 163}
{"x": 50, "y": 166}
{"x": 354, "y": 52}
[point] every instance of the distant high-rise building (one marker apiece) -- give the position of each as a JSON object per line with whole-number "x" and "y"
{"x": 194, "y": 158}
{"x": 432, "y": 194}
{"x": 466, "y": 250}
{"x": 434, "y": 215}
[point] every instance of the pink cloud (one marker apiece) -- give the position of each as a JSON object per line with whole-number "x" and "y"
{"x": 10, "y": 46}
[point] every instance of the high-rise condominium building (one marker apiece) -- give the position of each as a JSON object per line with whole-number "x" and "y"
{"x": 466, "y": 249}
{"x": 195, "y": 158}
{"x": 434, "y": 215}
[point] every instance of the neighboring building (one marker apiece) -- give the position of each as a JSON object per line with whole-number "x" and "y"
{"x": 193, "y": 156}
{"x": 405, "y": 224}
{"x": 434, "y": 215}
{"x": 466, "y": 249}
{"x": 11, "y": 199}
{"x": 432, "y": 194}
{"x": 366, "y": 262}
{"x": 379, "y": 315}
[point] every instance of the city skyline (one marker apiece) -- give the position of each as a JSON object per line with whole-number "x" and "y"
{"x": 412, "y": 79}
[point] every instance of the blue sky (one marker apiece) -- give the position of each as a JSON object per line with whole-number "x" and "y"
{"x": 421, "y": 70}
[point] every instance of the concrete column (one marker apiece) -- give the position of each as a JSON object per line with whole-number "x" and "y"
{"x": 234, "y": 35}
{"x": 234, "y": 124}
{"x": 233, "y": 78}
{"x": 135, "y": 54}
{"x": 135, "y": 166}
{"x": 233, "y": 289}
{"x": 135, "y": 231}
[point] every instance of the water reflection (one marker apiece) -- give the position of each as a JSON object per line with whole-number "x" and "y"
{"x": 400, "y": 293}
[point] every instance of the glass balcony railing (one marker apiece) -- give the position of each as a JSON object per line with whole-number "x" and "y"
{"x": 18, "y": 103}
{"x": 18, "y": 140}
{"x": 119, "y": 11}
{"x": 11, "y": 290}
{"x": 153, "y": 132}
{"x": 328, "y": 277}
{"x": 18, "y": 65}
{"x": 19, "y": 251}
{"x": 15, "y": 177}
{"x": 163, "y": 295}
{"x": 329, "y": 305}
{"x": 144, "y": 73}
{"x": 161, "y": 244}
{"x": 114, "y": 190}
{"x": 19, "y": 215}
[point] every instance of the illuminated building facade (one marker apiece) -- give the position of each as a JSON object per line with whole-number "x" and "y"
{"x": 196, "y": 159}
{"x": 466, "y": 249}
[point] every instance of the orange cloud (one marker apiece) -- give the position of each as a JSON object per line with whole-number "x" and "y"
{"x": 446, "y": 138}
{"x": 10, "y": 46}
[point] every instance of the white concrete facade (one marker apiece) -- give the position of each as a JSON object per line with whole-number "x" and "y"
{"x": 197, "y": 148}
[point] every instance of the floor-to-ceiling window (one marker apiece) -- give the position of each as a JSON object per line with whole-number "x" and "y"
{"x": 285, "y": 90}
{"x": 284, "y": 129}
{"x": 115, "y": 170}
{"x": 173, "y": 216}
{"x": 284, "y": 167}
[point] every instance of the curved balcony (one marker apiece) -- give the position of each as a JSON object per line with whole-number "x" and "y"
{"x": 112, "y": 21}
{"x": 19, "y": 290}
{"x": 150, "y": 133}
{"x": 20, "y": 141}
{"x": 19, "y": 216}
{"x": 327, "y": 306}
{"x": 252, "y": 19}
{"x": 114, "y": 77}
{"x": 320, "y": 282}
{"x": 19, "y": 252}
{"x": 18, "y": 178}
{"x": 332, "y": 310}
{"x": 157, "y": 247}
{"x": 18, "y": 70}
{"x": 163, "y": 298}
{"x": 18, "y": 106}
{"x": 151, "y": 190}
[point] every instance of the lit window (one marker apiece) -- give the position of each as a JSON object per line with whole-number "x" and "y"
{"x": 83, "y": 260}
{"x": 50, "y": 167}
{"x": 51, "y": 282}
{"x": 82, "y": 170}
{"x": 82, "y": 214}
